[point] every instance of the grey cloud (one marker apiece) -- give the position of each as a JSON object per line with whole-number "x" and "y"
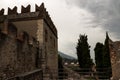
{"x": 106, "y": 12}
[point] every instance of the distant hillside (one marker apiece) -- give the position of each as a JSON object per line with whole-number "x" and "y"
{"x": 66, "y": 56}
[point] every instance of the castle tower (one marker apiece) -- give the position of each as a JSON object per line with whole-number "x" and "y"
{"x": 37, "y": 29}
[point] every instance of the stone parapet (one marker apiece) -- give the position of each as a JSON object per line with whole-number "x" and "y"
{"x": 26, "y": 14}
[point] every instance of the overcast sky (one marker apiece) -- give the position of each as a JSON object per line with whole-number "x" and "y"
{"x": 74, "y": 17}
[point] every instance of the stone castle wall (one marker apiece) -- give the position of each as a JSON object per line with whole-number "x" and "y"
{"x": 17, "y": 54}
{"x": 28, "y": 41}
{"x": 115, "y": 59}
{"x": 51, "y": 50}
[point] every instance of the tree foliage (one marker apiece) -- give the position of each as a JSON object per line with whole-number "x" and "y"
{"x": 107, "y": 62}
{"x": 83, "y": 52}
{"x": 102, "y": 58}
{"x": 61, "y": 72}
{"x": 60, "y": 67}
{"x": 99, "y": 55}
{"x": 106, "y": 57}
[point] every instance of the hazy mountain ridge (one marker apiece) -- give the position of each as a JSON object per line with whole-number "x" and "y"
{"x": 65, "y": 56}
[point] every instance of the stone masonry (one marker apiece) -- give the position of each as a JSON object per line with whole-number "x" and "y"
{"x": 28, "y": 45}
{"x": 115, "y": 59}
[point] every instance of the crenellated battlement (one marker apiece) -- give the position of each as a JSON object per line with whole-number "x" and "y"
{"x": 39, "y": 8}
{"x": 26, "y": 14}
{"x": 2, "y": 12}
{"x": 12, "y": 11}
{"x": 25, "y": 9}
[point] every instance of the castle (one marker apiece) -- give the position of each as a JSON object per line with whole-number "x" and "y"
{"x": 28, "y": 45}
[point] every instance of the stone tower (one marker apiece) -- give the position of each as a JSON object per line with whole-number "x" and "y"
{"x": 28, "y": 42}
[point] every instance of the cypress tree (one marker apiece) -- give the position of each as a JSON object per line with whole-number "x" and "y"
{"x": 99, "y": 58}
{"x": 99, "y": 55}
{"x": 102, "y": 59}
{"x": 106, "y": 57}
{"x": 107, "y": 62}
{"x": 83, "y": 52}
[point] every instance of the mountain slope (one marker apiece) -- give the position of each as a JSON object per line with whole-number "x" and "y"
{"x": 65, "y": 56}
